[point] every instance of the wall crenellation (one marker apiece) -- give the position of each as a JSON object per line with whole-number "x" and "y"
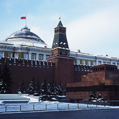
{"x": 37, "y": 63}
{"x": 26, "y": 63}
{"x": 82, "y": 68}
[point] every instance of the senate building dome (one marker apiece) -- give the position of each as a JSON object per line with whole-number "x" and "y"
{"x": 25, "y": 36}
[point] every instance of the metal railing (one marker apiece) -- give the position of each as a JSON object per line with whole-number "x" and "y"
{"x": 48, "y": 107}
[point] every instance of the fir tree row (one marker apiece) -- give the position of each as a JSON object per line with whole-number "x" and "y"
{"x": 44, "y": 89}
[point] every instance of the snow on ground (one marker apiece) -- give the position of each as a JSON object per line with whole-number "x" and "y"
{"x": 32, "y": 98}
{"x": 0, "y": 102}
{"x": 35, "y": 105}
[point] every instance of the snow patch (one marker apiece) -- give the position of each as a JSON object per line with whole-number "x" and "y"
{"x": 1, "y": 102}
{"x": 32, "y": 99}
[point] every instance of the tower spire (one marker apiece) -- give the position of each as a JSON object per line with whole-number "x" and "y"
{"x": 59, "y": 19}
{"x": 60, "y": 23}
{"x": 60, "y": 39}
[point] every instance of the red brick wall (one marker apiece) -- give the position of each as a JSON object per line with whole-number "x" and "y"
{"x": 64, "y": 71}
{"x": 103, "y": 77}
{"x": 64, "y": 67}
{"x": 26, "y": 73}
{"x": 114, "y": 95}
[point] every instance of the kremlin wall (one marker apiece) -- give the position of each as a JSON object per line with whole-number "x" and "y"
{"x": 78, "y": 76}
{"x": 26, "y": 69}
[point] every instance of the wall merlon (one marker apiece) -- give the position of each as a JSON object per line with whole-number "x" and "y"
{"x": 26, "y": 63}
{"x": 82, "y": 68}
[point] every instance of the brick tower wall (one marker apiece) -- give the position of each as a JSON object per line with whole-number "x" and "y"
{"x": 64, "y": 67}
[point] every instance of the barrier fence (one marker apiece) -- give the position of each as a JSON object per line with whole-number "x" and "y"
{"x": 48, "y": 107}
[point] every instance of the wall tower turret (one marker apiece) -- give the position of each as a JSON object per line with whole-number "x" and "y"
{"x": 60, "y": 39}
{"x": 60, "y": 55}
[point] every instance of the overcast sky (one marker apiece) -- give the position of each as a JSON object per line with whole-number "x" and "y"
{"x": 92, "y": 25}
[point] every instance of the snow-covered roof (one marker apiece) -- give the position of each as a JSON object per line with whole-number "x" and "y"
{"x": 25, "y": 36}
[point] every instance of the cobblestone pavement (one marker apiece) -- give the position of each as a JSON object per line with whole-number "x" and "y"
{"x": 80, "y": 114}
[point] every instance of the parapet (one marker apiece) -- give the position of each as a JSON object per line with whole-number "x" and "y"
{"x": 83, "y": 68}
{"x": 26, "y": 63}
{"x": 105, "y": 67}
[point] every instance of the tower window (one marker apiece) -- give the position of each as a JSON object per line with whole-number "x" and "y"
{"x": 60, "y": 53}
{"x": 65, "y": 53}
{"x": 61, "y": 44}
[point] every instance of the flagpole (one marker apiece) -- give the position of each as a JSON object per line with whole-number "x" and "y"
{"x": 24, "y": 17}
{"x": 26, "y": 21}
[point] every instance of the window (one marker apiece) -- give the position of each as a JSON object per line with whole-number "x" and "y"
{"x": 47, "y": 56}
{"x": 40, "y": 57}
{"x": 33, "y": 56}
{"x": 93, "y": 63}
{"x": 88, "y": 63}
{"x": 60, "y": 53}
{"x": 10, "y": 55}
{"x": 78, "y": 62}
{"x": 99, "y": 62}
{"x": 1, "y": 54}
{"x": 65, "y": 53}
{"x": 25, "y": 56}
{"x": 83, "y": 62}
{"x": 16, "y": 55}
{"x": 113, "y": 63}
{"x": 117, "y": 66}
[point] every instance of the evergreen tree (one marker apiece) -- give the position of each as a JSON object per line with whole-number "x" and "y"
{"x": 1, "y": 84}
{"x": 37, "y": 88}
{"x": 51, "y": 91}
{"x": 21, "y": 87}
{"x": 60, "y": 89}
{"x": 44, "y": 87}
{"x": 2, "y": 89}
{"x": 6, "y": 79}
{"x": 53, "y": 88}
{"x": 31, "y": 89}
{"x": 49, "y": 88}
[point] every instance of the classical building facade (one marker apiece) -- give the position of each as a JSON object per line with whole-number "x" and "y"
{"x": 24, "y": 44}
